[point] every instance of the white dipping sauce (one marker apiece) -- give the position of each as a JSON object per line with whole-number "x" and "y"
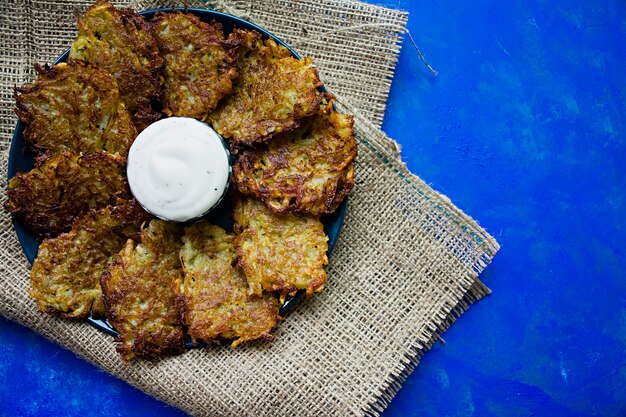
{"x": 178, "y": 168}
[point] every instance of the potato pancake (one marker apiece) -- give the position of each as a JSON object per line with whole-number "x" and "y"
{"x": 74, "y": 107}
{"x": 215, "y": 293}
{"x": 199, "y": 63}
{"x": 65, "y": 277}
{"x": 139, "y": 293}
{"x": 306, "y": 170}
{"x": 65, "y": 186}
{"x": 279, "y": 252}
{"x": 120, "y": 43}
{"x": 272, "y": 93}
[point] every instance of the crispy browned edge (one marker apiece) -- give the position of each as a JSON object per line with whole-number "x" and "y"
{"x": 248, "y": 156}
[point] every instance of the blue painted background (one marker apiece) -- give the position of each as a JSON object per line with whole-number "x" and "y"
{"x": 524, "y": 129}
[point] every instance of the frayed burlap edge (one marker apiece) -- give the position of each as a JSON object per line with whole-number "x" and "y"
{"x": 389, "y": 153}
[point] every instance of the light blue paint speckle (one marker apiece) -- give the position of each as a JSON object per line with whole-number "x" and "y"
{"x": 563, "y": 370}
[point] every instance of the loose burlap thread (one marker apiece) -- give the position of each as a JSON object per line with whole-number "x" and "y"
{"x": 406, "y": 264}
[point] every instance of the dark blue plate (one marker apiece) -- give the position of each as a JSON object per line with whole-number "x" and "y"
{"x": 21, "y": 160}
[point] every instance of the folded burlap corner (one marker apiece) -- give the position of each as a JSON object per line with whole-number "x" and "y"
{"x": 406, "y": 264}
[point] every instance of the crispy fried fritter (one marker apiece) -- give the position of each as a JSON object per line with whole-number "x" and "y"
{"x": 308, "y": 169}
{"x": 279, "y": 252}
{"x": 120, "y": 42}
{"x": 74, "y": 107}
{"x": 215, "y": 293}
{"x": 272, "y": 93}
{"x": 139, "y": 293}
{"x": 65, "y": 277}
{"x": 63, "y": 187}
{"x": 199, "y": 63}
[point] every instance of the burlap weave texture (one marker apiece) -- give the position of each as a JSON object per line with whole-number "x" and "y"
{"x": 406, "y": 263}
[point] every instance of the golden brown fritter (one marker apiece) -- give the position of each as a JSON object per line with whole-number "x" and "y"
{"x": 214, "y": 293}
{"x": 139, "y": 293}
{"x": 199, "y": 63}
{"x": 63, "y": 187}
{"x": 74, "y": 107}
{"x": 65, "y": 277}
{"x": 279, "y": 252}
{"x": 307, "y": 170}
{"x": 120, "y": 43}
{"x": 272, "y": 93}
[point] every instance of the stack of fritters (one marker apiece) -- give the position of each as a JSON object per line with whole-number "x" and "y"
{"x": 154, "y": 280}
{"x": 65, "y": 186}
{"x": 65, "y": 277}
{"x": 306, "y": 170}
{"x": 214, "y": 292}
{"x": 120, "y": 43}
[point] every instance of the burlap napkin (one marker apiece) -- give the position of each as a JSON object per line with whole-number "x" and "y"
{"x": 405, "y": 266}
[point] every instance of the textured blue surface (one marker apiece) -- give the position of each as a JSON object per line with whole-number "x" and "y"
{"x": 524, "y": 129}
